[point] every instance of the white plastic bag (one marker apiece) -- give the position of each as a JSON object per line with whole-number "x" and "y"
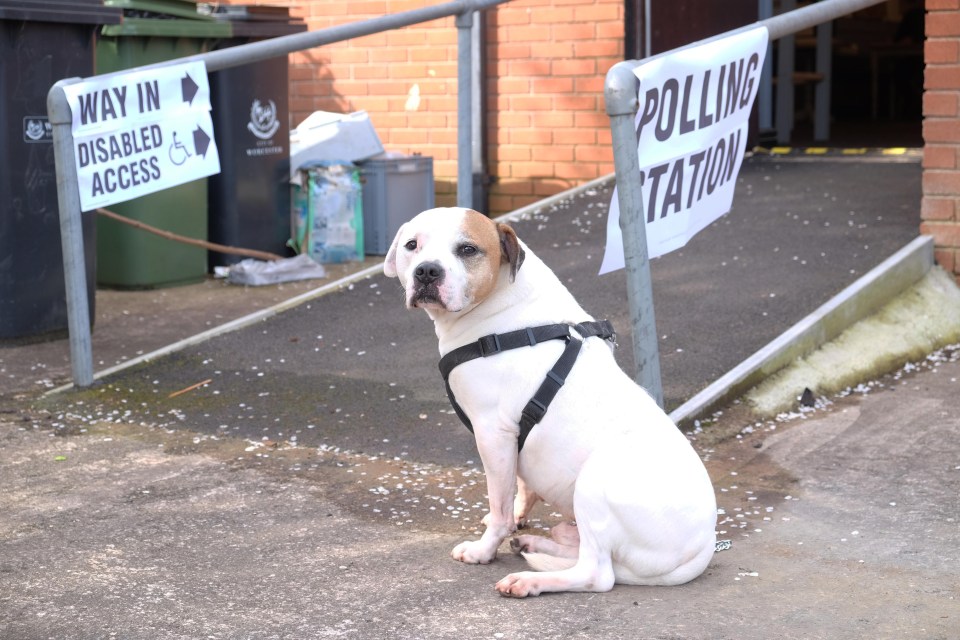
{"x": 257, "y": 272}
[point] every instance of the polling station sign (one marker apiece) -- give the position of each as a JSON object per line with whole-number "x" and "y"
{"x": 691, "y": 125}
{"x": 141, "y": 131}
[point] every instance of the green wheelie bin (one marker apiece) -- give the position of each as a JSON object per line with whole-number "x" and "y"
{"x": 129, "y": 258}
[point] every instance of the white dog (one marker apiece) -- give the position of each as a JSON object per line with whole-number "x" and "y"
{"x": 603, "y": 454}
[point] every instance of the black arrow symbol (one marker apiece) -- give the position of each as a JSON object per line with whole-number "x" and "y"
{"x": 188, "y": 87}
{"x": 201, "y": 141}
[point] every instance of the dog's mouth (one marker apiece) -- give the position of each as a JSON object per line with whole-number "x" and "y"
{"x": 429, "y": 299}
{"x": 426, "y": 298}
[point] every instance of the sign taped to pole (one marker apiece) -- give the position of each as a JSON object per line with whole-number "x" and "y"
{"x": 141, "y": 131}
{"x": 694, "y": 110}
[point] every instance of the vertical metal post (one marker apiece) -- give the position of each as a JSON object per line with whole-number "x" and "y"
{"x": 821, "y": 98}
{"x": 71, "y": 235}
{"x": 464, "y": 22}
{"x": 622, "y": 103}
{"x": 477, "y": 117}
{"x": 647, "y": 30}
{"x": 765, "y": 92}
{"x": 785, "y": 68}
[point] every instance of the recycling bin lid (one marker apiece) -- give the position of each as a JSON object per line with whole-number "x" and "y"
{"x": 172, "y": 28}
{"x": 75, "y": 12}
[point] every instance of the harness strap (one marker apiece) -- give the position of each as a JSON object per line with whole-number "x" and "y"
{"x": 537, "y": 407}
{"x": 492, "y": 344}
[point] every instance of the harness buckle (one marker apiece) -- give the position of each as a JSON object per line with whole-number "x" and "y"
{"x": 532, "y": 413}
{"x": 489, "y": 345}
{"x": 602, "y": 329}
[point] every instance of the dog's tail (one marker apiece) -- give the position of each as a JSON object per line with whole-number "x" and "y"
{"x": 546, "y": 562}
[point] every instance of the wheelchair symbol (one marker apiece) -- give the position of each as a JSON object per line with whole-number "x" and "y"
{"x": 178, "y": 152}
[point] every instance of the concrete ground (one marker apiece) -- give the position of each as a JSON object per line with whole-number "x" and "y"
{"x": 844, "y": 524}
{"x": 315, "y": 486}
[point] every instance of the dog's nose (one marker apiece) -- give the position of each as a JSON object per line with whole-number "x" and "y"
{"x": 428, "y": 272}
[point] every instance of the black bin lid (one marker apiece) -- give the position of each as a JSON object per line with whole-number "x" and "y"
{"x": 64, "y": 11}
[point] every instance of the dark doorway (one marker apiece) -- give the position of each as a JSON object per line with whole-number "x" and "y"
{"x": 877, "y": 63}
{"x": 877, "y": 90}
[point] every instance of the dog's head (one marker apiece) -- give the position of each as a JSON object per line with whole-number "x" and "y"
{"x": 449, "y": 259}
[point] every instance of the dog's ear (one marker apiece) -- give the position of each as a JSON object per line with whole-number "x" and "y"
{"x": 390, "y": 262}
{"x": 510, "y": 250}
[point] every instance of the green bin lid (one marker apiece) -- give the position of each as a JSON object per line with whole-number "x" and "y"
{"x": 180, "y": 8}
{"x": 168, "y": 28}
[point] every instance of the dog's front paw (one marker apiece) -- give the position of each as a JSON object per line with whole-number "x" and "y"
{"x": 475, "y": 552}
{"x": 519, "y": 585}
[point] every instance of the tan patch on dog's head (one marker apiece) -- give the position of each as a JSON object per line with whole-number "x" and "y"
{"x": 498, "y": 245}
{"x": 482, "y": 232}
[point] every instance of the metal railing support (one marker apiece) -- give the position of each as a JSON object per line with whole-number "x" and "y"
{"x": 621, "y": 88}
{"x": 622, "y": 103}
{"x": 71, "y": 235}
{"x": 824, "y": 67}
{"x": 478, "y": 115}
{"x": 464, "y": 24}
{"x": 765, "y": 91}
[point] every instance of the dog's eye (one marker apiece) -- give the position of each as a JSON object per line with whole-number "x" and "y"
{"x": 411, "y": 245}
{"x": 467, "y": 250}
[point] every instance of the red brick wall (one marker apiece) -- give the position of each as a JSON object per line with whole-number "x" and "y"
{"x": 940, "y": 209}
{"x": 546, "y": 63}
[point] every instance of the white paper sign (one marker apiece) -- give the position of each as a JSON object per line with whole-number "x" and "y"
{"x": 140, "y": 132}
{"x": 691, "y": 133}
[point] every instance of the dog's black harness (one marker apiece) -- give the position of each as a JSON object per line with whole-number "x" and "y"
{"x": 572, "y": 334}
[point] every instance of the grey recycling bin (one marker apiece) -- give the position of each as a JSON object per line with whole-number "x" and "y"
{"x": 40, "y": 43}
{"x": 396, "y": 187}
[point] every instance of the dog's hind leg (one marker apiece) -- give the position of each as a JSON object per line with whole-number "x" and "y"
{"x": 564, "y": 542}
{"x": 523, "y": 503}
{"x": 591, "y": 566}
{"x": 532, "y": 546}
{"x": 589, "y": 573}
{"x": 560, "y": 566}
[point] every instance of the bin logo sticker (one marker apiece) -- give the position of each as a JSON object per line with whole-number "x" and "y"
{"x": 263, "y": 119}
{"x": 141, "y": 131}
{"x": 37, "y": 129}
